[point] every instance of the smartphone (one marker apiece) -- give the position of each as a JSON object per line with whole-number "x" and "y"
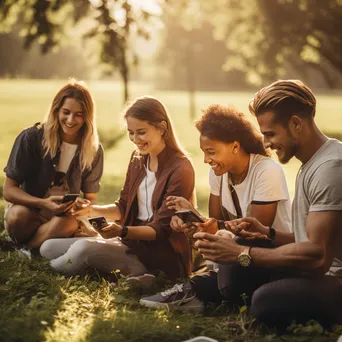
{"x": 69, "y": 198}
{"x": 98, "y": 222}
{"x": 188, "y": 216}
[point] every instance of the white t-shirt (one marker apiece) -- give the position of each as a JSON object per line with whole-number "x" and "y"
{"x": 67, "y": 154}
{"x": 60, "y": 186}
{"x": 319, "y": 188}
{"x": 145, "y": 192}
{"x": 265, "y": 182}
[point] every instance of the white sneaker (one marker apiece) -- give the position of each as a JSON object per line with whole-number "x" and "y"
{"x": 179, "y": 297}
{"x": 25, "y": 253}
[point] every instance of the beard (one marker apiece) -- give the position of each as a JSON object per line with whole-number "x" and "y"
{"x": 289, "y": 152}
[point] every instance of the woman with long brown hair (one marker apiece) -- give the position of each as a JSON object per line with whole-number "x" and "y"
{"x": 62, "y": 155}
{"x": 244, "y": 181}
{"x": 143, "y": 241}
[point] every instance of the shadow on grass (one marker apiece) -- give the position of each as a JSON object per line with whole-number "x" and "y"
{"x": 30, "y": 296}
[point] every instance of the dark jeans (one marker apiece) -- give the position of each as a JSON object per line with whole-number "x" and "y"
{"x": 276, "y": 297}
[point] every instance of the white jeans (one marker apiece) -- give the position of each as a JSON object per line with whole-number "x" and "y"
{"x": 74, "y": 255}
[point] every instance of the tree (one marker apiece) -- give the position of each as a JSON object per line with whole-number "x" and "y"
{"x": 269, "y": 36}
{"x": 190, "y": 58}
{"x": 113, "y": 23}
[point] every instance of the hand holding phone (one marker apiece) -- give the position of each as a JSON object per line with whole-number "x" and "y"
{"x": 188, "y": 216}
{"x": 69, "y": 198}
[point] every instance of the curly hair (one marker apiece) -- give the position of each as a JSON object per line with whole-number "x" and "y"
{"x": 226, "y": 124}
{"x": 284, "y": 98}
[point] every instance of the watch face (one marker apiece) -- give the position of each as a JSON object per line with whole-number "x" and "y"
{"x": 244, "y": 260}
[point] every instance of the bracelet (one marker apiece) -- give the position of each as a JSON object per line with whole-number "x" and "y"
{"x": 220, "y": 224}
{"x": 271, "y": 234}
{"x": 124, "y": 231}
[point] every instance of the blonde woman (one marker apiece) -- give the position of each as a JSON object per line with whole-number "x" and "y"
{"x": 62, "y": 155}
{"x": 142, "y": 242}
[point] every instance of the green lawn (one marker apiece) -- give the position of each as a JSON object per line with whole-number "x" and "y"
{"x": 36, "y": 304}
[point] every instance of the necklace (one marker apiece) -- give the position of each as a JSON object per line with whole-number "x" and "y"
{"x": 242, "y": 175}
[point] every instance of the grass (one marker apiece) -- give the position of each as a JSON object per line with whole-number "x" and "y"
{"x": 37, "y": 304}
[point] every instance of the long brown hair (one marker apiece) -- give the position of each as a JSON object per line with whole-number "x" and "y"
{"x": 90, "y": 140}
{"x": 148, "y": 108}
{"x": 226, "y": 124}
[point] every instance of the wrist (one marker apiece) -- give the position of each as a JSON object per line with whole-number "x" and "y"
{"x": 220, "y": 225}
{"x": 124, "y": 231}
{"x": 271, "y": 233}
{"x": 39, "y": 203}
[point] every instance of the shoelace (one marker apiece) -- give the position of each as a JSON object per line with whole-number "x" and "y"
{"x": 176, "y": 288}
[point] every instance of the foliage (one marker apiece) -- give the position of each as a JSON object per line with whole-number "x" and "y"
{"x": 270, "y": 36}
{"x": 189, "y": 47}
{"x": 47, "y": 22}
{"x": 110, "y": 137}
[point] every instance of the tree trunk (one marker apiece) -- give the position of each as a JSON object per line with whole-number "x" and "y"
{"x": 125, "y": 76}
{"x": 191, "y": 79}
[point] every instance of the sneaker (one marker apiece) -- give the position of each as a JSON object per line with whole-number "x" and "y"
{"x": 180, "y": 297}
{"x": 25, "y": 253}
{"x": 146, "y": 280}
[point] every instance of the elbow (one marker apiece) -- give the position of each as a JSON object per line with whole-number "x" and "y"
{"x": 7, "y": 194}
{"x": 318, "y": 265}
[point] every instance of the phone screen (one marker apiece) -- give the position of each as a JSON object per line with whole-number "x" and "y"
{"x": 98, "y": 222}
{"x": 188, "y": 216}
{"x": 69, "y": 198}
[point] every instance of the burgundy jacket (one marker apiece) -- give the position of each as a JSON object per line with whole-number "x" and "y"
{"x": 170, "y": 252}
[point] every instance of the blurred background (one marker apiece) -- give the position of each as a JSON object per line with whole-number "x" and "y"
{"x": 187, "y": 53}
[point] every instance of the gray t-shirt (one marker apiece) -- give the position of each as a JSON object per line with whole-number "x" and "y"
{"x": 319, "y": 188}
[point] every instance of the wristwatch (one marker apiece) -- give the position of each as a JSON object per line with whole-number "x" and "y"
{"x": 271, "y": 234}
{"x": 220, "y": 224}
{"x": 244, "y": 257}
{"x": 124, "y": 231}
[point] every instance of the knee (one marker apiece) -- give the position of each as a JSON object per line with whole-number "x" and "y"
{"x": 65, "y": 226}
{"x": 18, "y": 216}
{"x": 265, "y": 305}
{"x": 47, "y": 249}
{"x": 21, "y": 223}
{"x": 81, "y": 248}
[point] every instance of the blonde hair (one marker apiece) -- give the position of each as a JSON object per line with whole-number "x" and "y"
{"x": 90, "y": 141}
{"x": 148, "y": 108}
{"x": 284, "y": 98}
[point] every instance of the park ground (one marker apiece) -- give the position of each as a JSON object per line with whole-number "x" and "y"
{"x": 37, "y": 304}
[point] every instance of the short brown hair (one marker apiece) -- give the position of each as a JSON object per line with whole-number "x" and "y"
{"x": 226, "y": 124}
{"x": 284, "y": 98}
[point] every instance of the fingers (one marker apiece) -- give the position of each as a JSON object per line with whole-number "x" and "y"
{"x": 206, "y": 236}
{"x": 172, "y": 201}
{"x": 56, "y": 198}
{"x": 190, "y": 229}
{"x": 176, "y": 223}
{"x": 178, "y": 203}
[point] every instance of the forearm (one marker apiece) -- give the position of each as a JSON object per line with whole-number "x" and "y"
{"x": 301, "y": 256}
{"x": 17, "y": 195}
{"x": 111, "y": 211}
{"x": 141, "y": 233}
{"x": 283, "y": 238}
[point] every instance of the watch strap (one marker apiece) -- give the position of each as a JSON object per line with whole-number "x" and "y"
{"x": 271, "y": 234}
{"x": 220, "y": 224}
{"x": 124, "y": 231}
